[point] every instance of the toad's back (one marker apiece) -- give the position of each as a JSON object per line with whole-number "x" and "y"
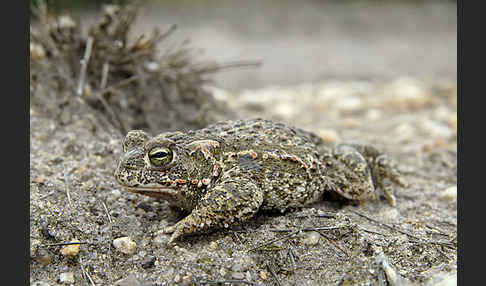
{"x": 283, "y": 161}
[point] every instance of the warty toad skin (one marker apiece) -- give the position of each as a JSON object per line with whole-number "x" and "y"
{"x": 223, "y": 174}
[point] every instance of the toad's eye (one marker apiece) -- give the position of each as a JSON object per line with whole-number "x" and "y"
{"x": 160, "y": 156}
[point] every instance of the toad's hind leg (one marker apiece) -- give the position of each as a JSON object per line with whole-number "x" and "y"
{"x": 359, "y": 169}
{"x": 232, "y": 201}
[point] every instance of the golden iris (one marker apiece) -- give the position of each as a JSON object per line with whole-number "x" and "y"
{"x": 160, "y": 156}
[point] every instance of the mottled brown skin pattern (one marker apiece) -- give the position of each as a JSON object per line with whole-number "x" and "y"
{"x": 223, "y": 174}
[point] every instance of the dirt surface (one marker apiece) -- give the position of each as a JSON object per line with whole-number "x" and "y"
{"x": 74, "y": 148}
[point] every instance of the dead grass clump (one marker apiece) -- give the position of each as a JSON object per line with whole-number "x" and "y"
{"x": 126, "y": 83}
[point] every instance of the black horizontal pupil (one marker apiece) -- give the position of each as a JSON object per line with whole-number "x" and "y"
{"x": 160, "y": 154}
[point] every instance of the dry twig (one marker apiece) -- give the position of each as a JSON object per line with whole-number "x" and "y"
{"x": 84, "y": 65}
{"x": 274, "y": 240}
{"x": 270, "y": 269}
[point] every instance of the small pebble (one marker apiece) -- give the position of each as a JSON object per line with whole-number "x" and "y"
{"x": 434, "y": 129}
{"x": 443, "y": 279}
{"x": 71, "y": 250}
{"x": 66, "y": 22}
{"x": 311, "y": 238}
{"x": 263, "y": 275}
{"x": 39, "y": 180}
{"x": 238, "y": 275}
{"x": 213, "y": 245}
{"x": 222, "y": 271}
{"x": 44, "y": 258}
{"x": 148, "y": 262}
{"x": 186, "y": 279}
{"x": 66, "y": 278}
{"x": 177, "y": 278}
{"x": 152, "y": 66}
{"x": 408, "y": 93}
{"x": 349, "y": 104}
{"x": 37, "y": 52}
{"x": 329, "y": 135}
{"x": 373, "y": 114}
{"x": 236, "y": 267}
{"x": 125, "y": 245}
{"x": 449, "y": 194}
{"x": 404, "y": 132}
{"x": 116, "y": 193}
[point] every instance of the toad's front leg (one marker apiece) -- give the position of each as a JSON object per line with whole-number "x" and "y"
{"x": 232, "y": 201}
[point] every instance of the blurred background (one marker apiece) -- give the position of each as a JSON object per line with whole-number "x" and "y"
{"x": 306, "y": 41}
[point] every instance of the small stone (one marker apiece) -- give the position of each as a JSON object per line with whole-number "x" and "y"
{"x": 222, "y": 271}
{"x": 125, "y": 245}
{"x": 66, "y": 22}
{"x": 443, "y": 279}
{"x": 37, "y": 52}
{"x": 186, "y": 279}
{"x": 71, "y": 250}
{"x": 434, "y": 129}
{"x": 43, "y": 257}
{"x": 329, "y": 135}
{"x": 263, "y": 275}
{"x": 236, "y": 267}
{"x": 311, "y": 238}
{"x": 238, "y": 275}
{"x": 148, "y": 262}
{"x": 408, "y": 94}
{"x": 152, "y": 66}
{"x": 66, "y": 278}
{"x": 39, "y": 180}
{"x": 349, "y": 104}
{"x": 373, "y": 114}
{"x": 404, "y": 132}
{"x": 449, "y": 194}
{"x": 213, "y": 245}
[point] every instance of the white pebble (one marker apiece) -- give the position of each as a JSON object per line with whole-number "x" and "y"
{"x": 311, "y": 238}
{"x": 66, "y": 278}
{"x": 449, "y": 194}
{"x": 116, "y": 193}
{"x": 125, "y": 244}
{"x": 404, "y": 132}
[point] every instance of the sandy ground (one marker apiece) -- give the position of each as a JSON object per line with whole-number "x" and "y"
{"x": 405, "y": 107}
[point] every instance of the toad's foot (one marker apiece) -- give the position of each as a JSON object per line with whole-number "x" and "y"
{"x": 232, "y": 201}
{"x": 359, "y": 169}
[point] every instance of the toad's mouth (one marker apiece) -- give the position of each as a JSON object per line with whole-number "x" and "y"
{"x": 151, "y": 191}
{"x": 172, "y": 196}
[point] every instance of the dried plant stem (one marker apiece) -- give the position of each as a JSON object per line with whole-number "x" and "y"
{"x": 84, "y": 65}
